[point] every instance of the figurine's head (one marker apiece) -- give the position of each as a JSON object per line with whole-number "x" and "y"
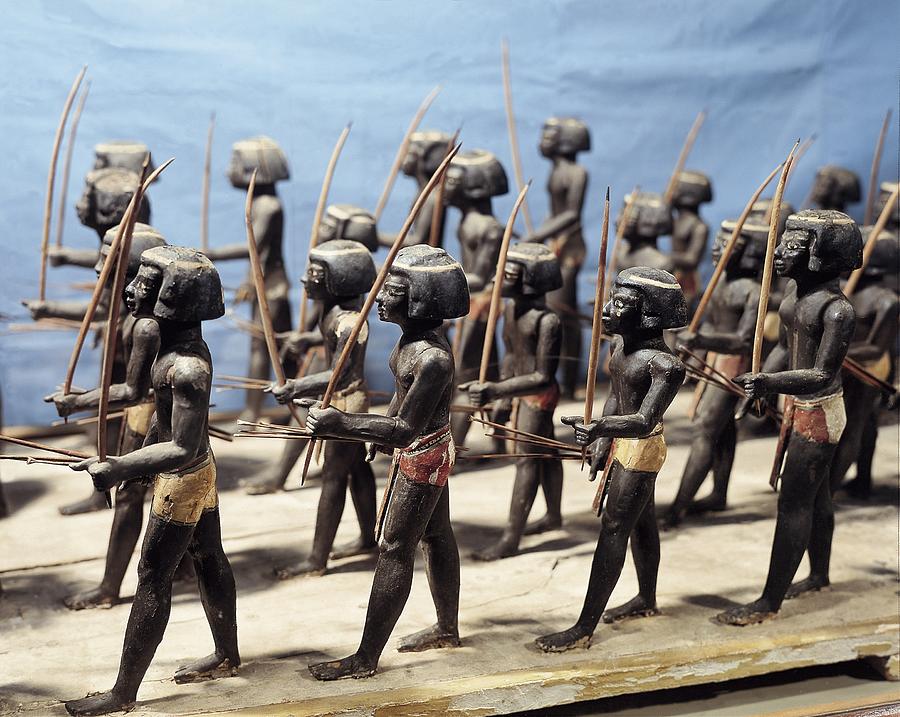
{"x": 884, "y": 193}
{"x": 122, "y": 154}
{"x": 474, "y": 176}
{"x": 105, "y": 198}
{"x": 749, "y": 252}
{"x": 835, "y": 187}
{"x": 531, "y": 270}
{"x": 884, "y": 262}
{"x": 644, "y": 299}
{"x": 344, "y": 221}
{"x": 262, "y": 154}
{"x": 692, "y": 189}
{"x": 144, "y": 237}
{"x": 176, "y": 284}
{"x": 566, "y": 136}
{"x": 339, "y": 269}
{"x": 760, "y": 213}
{"x": 424, "y": 283}
{"x": 424, "y": 153}
{"x": 818, "y": 241}
{"x": 646, "y": 215}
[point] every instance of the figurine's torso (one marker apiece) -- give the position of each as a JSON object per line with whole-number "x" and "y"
{"x": 522, "y": 335}
{"x": 570, "y": 244}
{"x": 337, "y": 321}
{"x": 475, "y": 230}
{"x": 405, "y": 357}
{"x": 632, "y": 373}
{"x": 729, "y": 301}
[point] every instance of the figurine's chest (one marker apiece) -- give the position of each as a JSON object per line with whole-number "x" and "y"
{"x": 728, "y": 303}
{"x": 521, "y": 333}
{"x": 629, "y": 375}
{"x": 558, "y": 184}
{"x": 473, "y": 229}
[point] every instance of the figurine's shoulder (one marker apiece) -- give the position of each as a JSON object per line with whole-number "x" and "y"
{"x": 145, "y": 330}
{"x": 663, "y": 364}
{"x": 267, "y": 204}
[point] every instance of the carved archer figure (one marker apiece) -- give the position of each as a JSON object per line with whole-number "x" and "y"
{"x": 140, "y": 342}
{"x": 266, "y": 157}
{"x": 835, "y": 187}
{"x": 179, "y": 288}
{"x": 729, "y": 334}
{"x": 424, "y": 287}
{"x": 471, "y": 181}
{"x": 689, "y": 232}
{"x": 424, "y": 153}
{"x": 350, "y": 223}
{"x": 647, "y": 218}
{"x": 817, "y": 324}
{"x": 531, "y": 333}
{"x": 340, "y": 272}
{"x": 645, "y": 378}
{"x": 561, "y": 141}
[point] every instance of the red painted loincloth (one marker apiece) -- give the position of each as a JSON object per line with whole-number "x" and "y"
{"x": 429, "y": 459}
{"x": 546, "y": 400}
{"x": 820, "y": 420}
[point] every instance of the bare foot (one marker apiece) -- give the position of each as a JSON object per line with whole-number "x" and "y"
{"x": 263, "y": 484}
{"x": 671, "y": 520}
{"x": 97, "y": 597}
{"x": 211, "y": 667}
{"x": 858, "y": 489}
{"x": 88, "y": 505}
{"x": 545, "y": 524}
{"x": 636, "y": 607}
{"x": 360, "y": 546}
{"x": 430, "y": 638}
{"x": 565, "y": 640}
{"x": 757, "y": 611}
{"x": 812, "y": 584}
{"x": 353, "y": 666}
{"x": 304, "y": 569}
{"x": 501, "y": 549}
{"x": 710, "y": 504}
{"x": 100, "y": 704}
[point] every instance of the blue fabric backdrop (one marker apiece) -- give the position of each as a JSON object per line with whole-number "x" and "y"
{"x": 638, "y": 72}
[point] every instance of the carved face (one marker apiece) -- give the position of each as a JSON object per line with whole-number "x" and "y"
{"x": 141, "y": 294}
{"x": 84, "y": 207}
{"x": 316, "y": 281}
{"x": 393, "y": 300}
{"x": 792, "y": 253}
{"x": 328, "y": 228}
{"x": 622, "y": 313}
{"x": 512, "y": 280}
{"x": 454, "y": 179}
{"x": 718, "y": 249}
{"x": 411, "y": 159}
{"x": 549, "y": 145}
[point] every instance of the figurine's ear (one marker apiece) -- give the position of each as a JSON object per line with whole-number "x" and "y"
{"x": 651, "y": 322}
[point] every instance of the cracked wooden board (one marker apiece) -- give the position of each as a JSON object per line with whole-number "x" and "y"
{"x": 504, "y": 606}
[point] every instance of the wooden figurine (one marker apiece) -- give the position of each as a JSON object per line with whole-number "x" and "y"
{"x": 817, "y": 322}
{"x": 339, "y": 274}
{"x": 424, "y": 288}
{"x": 179, "y": 289}
{"x": 835, "y": 187}
{"x": 646, "y": 217}
{"x": 561, "y": 140}
{"x": 265, "y": 156}
{"x": 628, "y": 439}
{"x": 690, "y": 233}
{"x": 531, "y": 334}
{"x": 728, "y": 335}
{"x": 471, "y": 182}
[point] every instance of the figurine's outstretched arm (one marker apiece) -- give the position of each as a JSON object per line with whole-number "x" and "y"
{"x": 315, "y": 384}
{"x": 837, "y": 323}
{"x": 545, "y": 365}
{"x": 667, "y": 375}
{"x": 191, "y": 378}
{"x": 145, "y": 345}
{"x": 432, "y": 372}
{"x": 739, "y": 341}
{"x": 571, "y": 215}
{"x": 70, "y": 256}
{"x": 72, "y": 310}
{"x": 263, "y": 218}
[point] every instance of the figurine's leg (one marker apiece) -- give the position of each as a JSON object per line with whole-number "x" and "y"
{"x": 629, "y": 492}
{"x": 861, "y": 404}
{"x": 409, "y": 511}
{"x": 524, "y": 491}
{"x": 217, "y": 593}
{"x": 645, "y": 552}
{"x": 164, "y": 544}
{"x": 442, "y": 569}
{"x": 723, "y": 461}
{"x": 4, "y": 506}
{"x": 714, "y": 412}
{"x": 258, "y": 368}
{"x": 128, "y": 518}
{"x": 806, "y": 468}
{"x": 362, "y": 492}
{"x": 819, "y": 545}
{"x": 339, "y": 458}
{"x": 551, "y": 473}
{"x": 273, "y": 477}
{"x": 861, "y": 486}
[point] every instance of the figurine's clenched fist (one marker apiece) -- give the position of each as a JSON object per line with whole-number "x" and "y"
{"x": 755, "y": 384}
{"x": 283, "y": 393}
{"x": 65, "y": 403}
{"x": 320, "y": 420}
{"x": 479, "y": 393}
{"x": 37, "y": 308}
{"x": 103, "y": 473}
{"x": 585, "y": 434}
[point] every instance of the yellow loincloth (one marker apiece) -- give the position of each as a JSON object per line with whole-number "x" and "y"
{"x": 646, "y": 455}
{"x": 182, "y": 496}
